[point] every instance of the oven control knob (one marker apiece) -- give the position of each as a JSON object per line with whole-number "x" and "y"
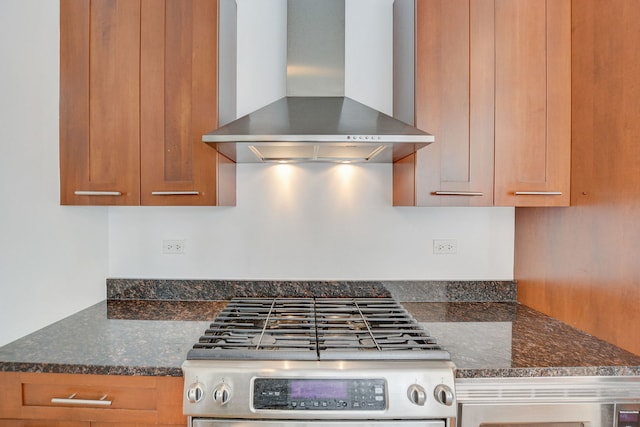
{"x": 195, "y": 392}
{"x": 417, "y": 395}
{"x": 222, "y": 393}
{"x": 443, "y": 394}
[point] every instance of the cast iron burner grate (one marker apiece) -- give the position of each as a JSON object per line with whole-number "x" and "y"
{"x": 316, "y": 329}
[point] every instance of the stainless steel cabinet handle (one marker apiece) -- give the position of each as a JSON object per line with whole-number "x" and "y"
{"x": 538, "y": 193}
{"x": 458, "y": 193}
{"x": 97, "y": 193}
{"x": 175, "y": 193}
{"x": 71, "y": 400}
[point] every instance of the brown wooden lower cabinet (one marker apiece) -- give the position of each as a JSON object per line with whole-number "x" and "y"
{"x": 45, "y": 423}
{"x": 42, "y": 400}
{"x": 30, "y": 423}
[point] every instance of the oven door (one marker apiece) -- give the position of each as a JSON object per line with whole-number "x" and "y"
{"x": 205, "y": 422}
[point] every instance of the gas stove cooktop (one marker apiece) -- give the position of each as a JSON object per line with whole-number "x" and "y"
{"x": 284, "y": 360}
{"x": 316, "y": 329}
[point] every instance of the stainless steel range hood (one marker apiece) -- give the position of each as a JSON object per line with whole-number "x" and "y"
{"x": 314, "y": 121}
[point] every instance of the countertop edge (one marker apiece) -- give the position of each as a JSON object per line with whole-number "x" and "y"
{"x": 460, "y": 373}
{"x": 579, "y": 371}
{"x": 55, "y": 368}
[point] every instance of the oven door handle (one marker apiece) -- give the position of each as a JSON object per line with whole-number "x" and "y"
{"x": 205, "y": 422}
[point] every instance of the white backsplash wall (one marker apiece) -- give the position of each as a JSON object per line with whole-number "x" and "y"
{"x": 317, "y": 221}
{"x": 312, "y": 222}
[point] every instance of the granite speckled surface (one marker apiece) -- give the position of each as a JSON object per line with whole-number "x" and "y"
{"x": 198, "y": 290}
{"x": 90, "y": 342}
{"x": 513, "y": 340}
{"x": 164, "y": 310}
{"x": 147, "y": 327}
{"x": 453, "y": 291}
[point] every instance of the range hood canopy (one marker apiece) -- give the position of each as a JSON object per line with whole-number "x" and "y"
{"x": 315, "y": 122}
{"x": 334, "y": 129}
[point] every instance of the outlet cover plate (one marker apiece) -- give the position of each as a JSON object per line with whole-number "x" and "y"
{"x": 445, "y": 246}
{"x": 173, "y": 246}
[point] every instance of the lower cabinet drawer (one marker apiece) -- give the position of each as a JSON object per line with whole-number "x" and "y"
{"x": 31, "y": 423}
{"x": 75, "y": 394}
{"x": 149, "y": 400}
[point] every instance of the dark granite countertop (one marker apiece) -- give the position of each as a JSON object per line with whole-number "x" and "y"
{"x": 129, "y": 336}
{"x": 489, "y": 339}
{"x": 140, "y": 338}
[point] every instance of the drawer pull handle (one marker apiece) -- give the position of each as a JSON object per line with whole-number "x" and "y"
{"x": 97, "y": 193}
{"x": 175, "y": 193}
{"x": 71, "y": 400}
{"x": 458, "y": 193}
{"x": 538, "y": 193}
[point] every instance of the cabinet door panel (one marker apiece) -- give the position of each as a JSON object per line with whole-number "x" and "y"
{"x": 131, "y": 399}
{"x": 532, "y": 110}
{"x": 178, "y": 101}
{"x": 31, "y": 423}
{"x": 99, "y": 102}
{"x": 454, "y": 101}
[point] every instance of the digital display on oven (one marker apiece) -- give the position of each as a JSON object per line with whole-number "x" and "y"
{"x": 320, "y": 394}
{"x": 318, "y": 389}
{"x": 628, "y": 418}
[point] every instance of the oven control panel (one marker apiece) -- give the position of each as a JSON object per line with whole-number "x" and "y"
{"x": 319, "y": 394}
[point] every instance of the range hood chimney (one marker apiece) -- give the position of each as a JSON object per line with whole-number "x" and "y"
{"x": 315, "y": 121}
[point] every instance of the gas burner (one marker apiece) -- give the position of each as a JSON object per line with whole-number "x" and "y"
{"x": 307, "y": 329}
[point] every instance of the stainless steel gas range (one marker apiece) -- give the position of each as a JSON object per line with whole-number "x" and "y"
{"x": 318, "y": 362}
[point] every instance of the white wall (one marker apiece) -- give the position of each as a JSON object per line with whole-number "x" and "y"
{"x": 369, "y": 52}
{"x": 53, "y": 259}
{"x": 313, "y": 221}
{"x": 261, "y": 54}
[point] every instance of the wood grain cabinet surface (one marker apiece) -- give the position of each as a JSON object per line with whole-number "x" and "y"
{"x": 36, "y": 399}
{"x": 137, "y": 91}
{"x": 493, "y": 84}
{"x": 533, "y": 103}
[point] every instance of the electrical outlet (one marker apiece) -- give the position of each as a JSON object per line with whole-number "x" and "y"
{"x": 448, "y": 246}
{"x": 173, "y": 246}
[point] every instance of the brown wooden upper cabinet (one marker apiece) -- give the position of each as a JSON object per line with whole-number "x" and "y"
{"x": 137, "y": 91}
{"x": 493, "y": 84}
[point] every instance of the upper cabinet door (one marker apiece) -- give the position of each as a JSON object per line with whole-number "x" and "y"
{"x": 533, "y": 102}
{"x": 178, "y": 101}
{"x": 455, "y": 102}
{"x": 493, "y": 84}
{"x": 138, "y": 89}
{"x": 99, "y": 102}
